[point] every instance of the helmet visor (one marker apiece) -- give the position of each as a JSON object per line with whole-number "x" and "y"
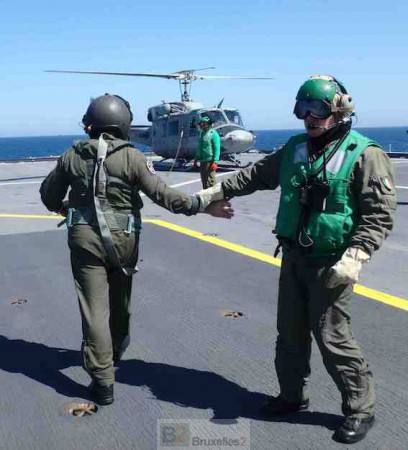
{"x": 316, "y": 108}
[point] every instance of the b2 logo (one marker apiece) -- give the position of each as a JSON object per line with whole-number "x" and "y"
{"x": 177, "y": 434}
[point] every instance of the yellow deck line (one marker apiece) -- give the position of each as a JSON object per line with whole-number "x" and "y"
{"x": 387, "y": 299}
{"x": 32, "y": 216}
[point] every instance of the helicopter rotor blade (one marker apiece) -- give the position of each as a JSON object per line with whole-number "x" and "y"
{"x": 126, "y": 74}
{"x": 203, "y": 77}
{"x": 193, "y": 70}
{"x": 180, "y": 75}
{"x": 184, "y": 77}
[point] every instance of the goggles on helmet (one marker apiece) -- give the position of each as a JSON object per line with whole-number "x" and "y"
{"x": 316, "y": 108}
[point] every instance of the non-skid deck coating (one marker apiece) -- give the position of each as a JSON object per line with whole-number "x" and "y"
{"x": 185, "y": 359}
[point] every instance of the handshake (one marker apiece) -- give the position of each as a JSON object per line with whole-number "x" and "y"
{"x": 212, "y": 202}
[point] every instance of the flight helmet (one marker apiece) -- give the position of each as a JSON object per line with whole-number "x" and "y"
{"x": 108, "y": 113}
{"x": 323, "y": 95}
{"x": 204, "y": 119}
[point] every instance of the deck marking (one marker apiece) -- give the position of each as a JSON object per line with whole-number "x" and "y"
{"x": 20, "y": 182}
{"x": 196, "y": 180}
{"x": 388, "y": 299}
{"x": 216, "y": 241}
{"x": 32, "y": 216}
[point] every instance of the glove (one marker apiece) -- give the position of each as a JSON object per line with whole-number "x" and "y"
{"x": 347, "y": 270}
{"x": 213, "y": 167}
{"x": 195, "y": 164}
{"x": 210, "y": 195}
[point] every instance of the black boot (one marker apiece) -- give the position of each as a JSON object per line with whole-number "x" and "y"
{"x": 276, "y": 405}
{"x": 102, "y": 395}
{"x": 353, "y": 429}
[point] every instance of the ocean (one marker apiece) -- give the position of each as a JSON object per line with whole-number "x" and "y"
{"x": 391, "y": 139}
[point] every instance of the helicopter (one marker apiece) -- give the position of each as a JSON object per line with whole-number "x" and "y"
{"x": 173, "y": 133}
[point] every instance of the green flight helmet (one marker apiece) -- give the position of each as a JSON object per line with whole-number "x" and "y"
{"x": 203, "y": 119}
{"x": 329, "y": 90}
{"x": 108, "y": 113}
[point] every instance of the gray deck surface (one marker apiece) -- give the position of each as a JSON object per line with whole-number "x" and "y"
{"x": 185, "y": 360}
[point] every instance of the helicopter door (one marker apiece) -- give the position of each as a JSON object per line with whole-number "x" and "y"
{"x": 173, "y": 133}
{"x": 173, "y": 128}
{"x": 193, "y": 126}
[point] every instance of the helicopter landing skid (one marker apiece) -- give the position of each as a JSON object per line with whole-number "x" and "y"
{"x": 230, "y": 161}
{"x": 166, "y": 165}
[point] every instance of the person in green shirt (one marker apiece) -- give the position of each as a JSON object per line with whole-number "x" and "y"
{"x": 208, "y": 153}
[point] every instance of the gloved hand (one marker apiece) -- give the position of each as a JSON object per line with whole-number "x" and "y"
{"x": 213, "y": 167}
{"x": 347, "y": 269}
{"x": 209, "y": 195}
{"x": 195, "y": 164}
{"x": 221, "y": 208}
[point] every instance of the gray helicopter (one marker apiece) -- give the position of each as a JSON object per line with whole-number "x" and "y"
{"x": 173, "y": 132}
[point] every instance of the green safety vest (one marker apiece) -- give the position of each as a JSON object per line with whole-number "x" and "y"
{"x": 331, "y": 230}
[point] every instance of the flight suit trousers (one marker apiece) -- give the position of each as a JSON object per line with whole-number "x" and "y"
{"x": 104, "y": 295}
{"x": 305, "y": 307}
{"x": 208, "y": 177}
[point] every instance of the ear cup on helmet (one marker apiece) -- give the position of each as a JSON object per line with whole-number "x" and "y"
{"x": 343, "y": 103}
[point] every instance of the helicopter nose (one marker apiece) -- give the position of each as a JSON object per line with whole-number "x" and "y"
{"x": 237, "y": 141}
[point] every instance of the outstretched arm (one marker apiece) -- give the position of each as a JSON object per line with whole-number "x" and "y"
{"x": 173, "y": 199}
{"x": 262, "y": 175}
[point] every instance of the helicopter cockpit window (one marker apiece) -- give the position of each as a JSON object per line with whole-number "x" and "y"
{"x": 173, "y": 128}
{"x": 217, "y": 117}
{"x": 234, "y": 117}
{"x": 193, "y": 126}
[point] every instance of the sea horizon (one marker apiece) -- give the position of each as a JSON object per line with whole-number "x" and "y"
{"x": 391, "y": 139}
{"x": 300, "y": 129}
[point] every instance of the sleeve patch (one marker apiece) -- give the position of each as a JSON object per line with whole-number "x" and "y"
{"x": 387, "y": 183}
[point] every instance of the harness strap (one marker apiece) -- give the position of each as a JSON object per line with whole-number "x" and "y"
{"x": 86, "y": 216}
{"x": 99, "y": 197}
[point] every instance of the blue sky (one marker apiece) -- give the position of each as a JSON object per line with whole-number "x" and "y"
{"x": 363, "y": 43}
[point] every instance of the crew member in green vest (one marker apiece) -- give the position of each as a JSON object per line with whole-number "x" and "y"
{"x": 208, "y": 153}
{"x": 337, "y": 205}
{"x": 106, "y": 174}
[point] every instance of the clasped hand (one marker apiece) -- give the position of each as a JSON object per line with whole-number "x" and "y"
{"x": 220, "y": 208}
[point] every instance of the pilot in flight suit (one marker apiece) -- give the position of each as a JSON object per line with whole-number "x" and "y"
{"x": 106, "y": 174}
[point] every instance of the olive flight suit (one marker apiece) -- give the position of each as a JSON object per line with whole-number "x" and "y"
{"x": 103, "y": 289}
{"x": 305, "y": 305}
